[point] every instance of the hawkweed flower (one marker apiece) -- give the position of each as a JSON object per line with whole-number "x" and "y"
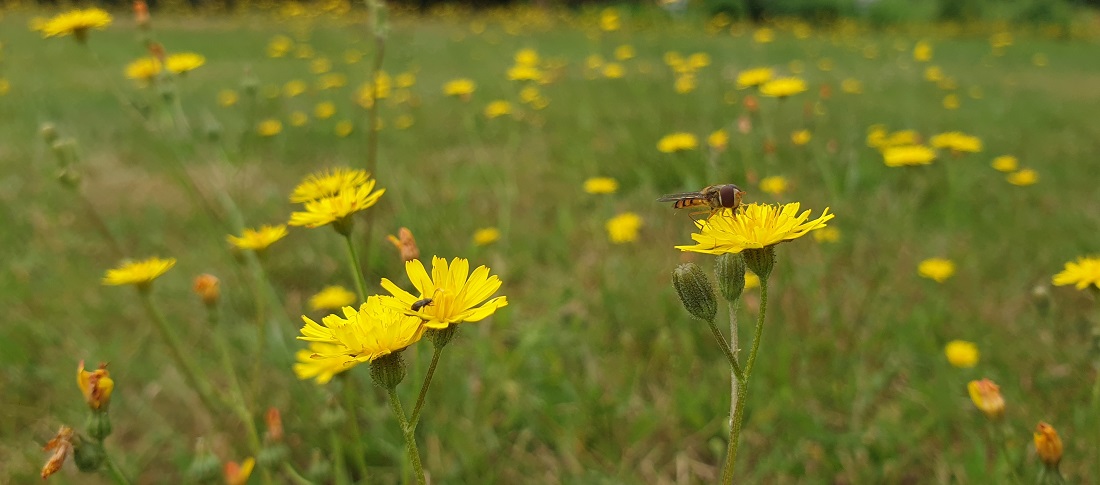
{"x": 376, "y": 329}
{"x": 1005, "y": 163}
{"x": 207, "y": 287}
{"x": 1023, "y": 177}
{"x": 677, "y": 142}
{"x": 62, "y": 447}
{"x": 405, "y": 244}
{"x": 332, "y": 297}
{"x": 922, "y": 51}
{"x": 907, "y": 155}
{"x": 460, "y": 88}
{"x": 801, "y": 137}
{"x": 957, "y": 142}
{"x": 486, "y": 236}
{"x": 96, "y": 386}
{"x": 238, "y": 473}
{"x": 851, "y": 86}
{"x": 228, "y": 97}
{"x": 719, "y": 140}
{"x": 143, "y": 70}
{"x": 624, "y": 227}
{"x": 754, "y": 226}
{"x": 936, "y": 269}
{"x": 774, "y": 185}
{"x": 184, "y": 62}
{"x": 328, "y": 183}
{"x": 601, "y": 185}
{"x": 337, "y": 209}
{"x": 961, "y": 354}
{"x": 754, "y": 77}
{"x": 76, "y": 23}
{"x": 457, "y": 295}
{"x": 987, "y": 398}
{"x": 258, "y": 239}
{"x": 1083, "y": 273}
{"x": 138, "y": 273}
{"x": 310, "y": 365}
{"x": 497, "y": 109}
{"x": 827, "y": 235}
{"x": 269, "y": 127}
{"x": 1048, "y": 445}
{"x": 783, "y": 87}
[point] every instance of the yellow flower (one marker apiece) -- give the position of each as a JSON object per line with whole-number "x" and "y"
{"x": 5, "y": 86}
{"x": 1005, "y": 163}
{"x": 144, "y": 70}
{"x": 294, "y": 88}
{"x": 677, "y": 142}
{"x": 344, "y": 128}
{"x": 624, "y": 52}
{"x": 529, "y": 94}
{"x": 775, "y": 185}
{"x": 718, "y": 140}
{"x": 208, "y": 287}
{"x": 456, "y": 293}
{"x": 324, "y": 110}
{"x": 328, "y": 183}
{"x": 237, "y": 474}
{"x": 336, "y": 209}
{"x": 96, "y": 386}
{"x": 331, "y": 298}
{"x": 614, "y": 70}
{"x": 486, "y": 236}
{"x": 405, "y": 80}
{"x": 269, "y": 127}
{"x": 352, "y": 56}
{"x": 527, "y": 57}
{"x": 987, "y": 397}
{"x": 601, "y": 185}
{"x": 498, "y": 108}
{"x": 698, "y": 60}
{"x": 753, "y": 226}
{"x": 783, "y": 87}
{"x": 961, "y": 354}
{"x": 933, "y": 74}
{"x": 298, "y": 118}
{"x": 279, "y": 46}
{"x": 763, "y": 35}
{"x": 609, "y": 20}
{"x": 922, "y": 52}
{"x": 937, "y": 269}
{"x": 827, "y": 235}
{"x": 376, "y": 329}
{"x": 321, "y": 369}
{"x": 320, "y": 65}
{"x": 801, "y": 137}
{"x": 900, "y": 156}
{"x": 227, "y": 97}
{"x": 751, "y": 280}
{"x": 1023, "y": 178}
{"x": 1083, "y": 273}
{"x": 332, "y": 80}
{"x": 140, "y": 273}
{"x": 1048, "y": 445}
{"x": 76, "y": 22}
{"x": 258, "y": 239}
{"x": 462, "y": 88}
{"x": 903, "y": 137}
{"x": 403, "y": 122}
{"x": 851, "y": 86}
{"x": 524, "y": 73}
{"x": 624, "y": 227}
{"x": 951, "y": 101}
{"x": 184, "y": 62}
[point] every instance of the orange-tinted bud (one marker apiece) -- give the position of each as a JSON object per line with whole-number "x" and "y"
{"x": 274, "y": 424}
{"x": 987, "y": 397}
{"x": 156, "y": 50}
{"x": 62, "y": 447}
{"x": 1048, "y": 444}
{"x": 751, "y": 104}
{"x": 237, "y": 474}
{"x": 405, "y": 244}
{"x": 208, "y": 288}
{"x": 141, "y": 13}
{"x": 96, "y": 385}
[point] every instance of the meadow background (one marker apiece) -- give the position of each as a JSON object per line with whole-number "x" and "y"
{"x": 594, "y": 373}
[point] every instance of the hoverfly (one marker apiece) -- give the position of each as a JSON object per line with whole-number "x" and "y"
{"x": 715, "y": 197}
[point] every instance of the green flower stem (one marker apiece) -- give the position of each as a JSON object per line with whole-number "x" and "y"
{"x": 379, "y": 27}
{"x": 294, "y": 476}
{"x": 737, "y": 374}
{"x": 410, "y": 437}
{"x": 351, "y": 404}
{"x": 1006, "y": 454}
{"x": 733, "y": 350}
{"x": 353, "y": 265}
{"x": 339, "y": 469}
{"x": 424, "y": 388}
{"x": 175, "y": 347}
{"x": 742, "y": 390}
{"x": 112, "y": 468}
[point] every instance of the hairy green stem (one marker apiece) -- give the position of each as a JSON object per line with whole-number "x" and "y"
{"x": 190, "y": 371}
{"x": 116, "y": 473}
{"x": 736, "y": 376}
{"x": 424, "y": 388}
{"x": 240, "y": 407}
{"x": 726, "y": 350}
{"x": 339, "y": 468}
{"x": 351, "y": 404}
{"x": 742, "y": 390}
{"x": 356, "y": 269}
{"x": 410, "y": 437}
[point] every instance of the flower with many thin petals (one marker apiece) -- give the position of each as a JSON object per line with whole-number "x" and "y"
{"x": 138, "y": 272}
{"x": 184, "y": 62}
{"x": 908, "y": 155}
{"x": 258, "y": 239}
{"x": 754, "y": 77}
{"x": 1083, "y": 273}
{"x": 957, "y": 142}
{"x": 376, "y": 329}
{"x": 783, "y": 87}
{"x": 328, "y": 183}
{"x": 77, "y": 23}
{"x": 321, "y": 370}
{"x": 753, "y": 226}
{"x": 332, "y": 297}
{"x": 143, "y": 70}
{"x": 936, "y": 269}
{"x": 457, "y": 295}
{"x": 338, "y": 208}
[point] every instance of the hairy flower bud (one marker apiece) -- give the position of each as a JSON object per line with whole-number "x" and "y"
{"x": 441, "y": 337}
{"x": 98, "y": 425}
{"x": 729, "y": 269}
{"x": 695, "y": 291}
{"x": 760, "y": 261}
{"x": 89, "y": 456}
{"x": 388, "y": 371}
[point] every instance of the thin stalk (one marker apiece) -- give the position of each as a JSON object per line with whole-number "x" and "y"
{"x": 759, "y": 327}
{"x": 1005, "y": 452}
{"x": 116, "y": 473}
{"x": 175, "y": 348}
{"x": 351, "y": 404}
{"x": 424, "y": 388}
{"x": 294, "y": 476}
{"x": 742, "y": 390}
{"x": 100, "y": 224}
{"x": 410, "y": 438}
{"x": 726, "y": 350}
{"x": 240, "y": 407}
{"x": 736, "y": 375}
{"x": 354, "y": 266}
{"x": 339, "y": 469}
{"x": 378, "y": 27}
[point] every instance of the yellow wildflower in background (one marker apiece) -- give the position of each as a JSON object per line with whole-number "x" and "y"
{"x": 462, "y": 88}
{"x": 320, "y": 369}
{"x": 763, "y": 35}
{"x": 403, "y": 121}
{"x": 624, "y": 227}
{"x": 1048, "y": 445}
{"x": 332, "y": 297}
{"x": 294, "y": 88}
{"x": 96, "y": 386}
{"x": 1005, "y": 163}
{"x": 258, "y": 239}
{"x": 783, "y": 87}
{"x": 76, "y": 23}
{"x": 144, "y": 70}
{"x": 138, "y": 272}
{"x": 601, "y": 185}
{"x": 937, "y": 269}
{"x": 5, "y": 86}
{"x": 298, "y": 118}
{"x": 457, "y": 295}
{"x": 718, "y": 140}
{"x": 775, "y": 185}
{"x": 827, "y": 235}
{"x": 753, "y": 226}
{"x": 609, "y": 20}
{"x": 320, "y": 65}
{"x": 933, "y": 74}
{"x": 961, "y": 354}
{"x": 684, "y": 84}
{"x": 327, "y": 183}
{"x": 269, "y": 127}
{"x": 801, "y": 137}
{"x": 278, "y": 46}
{"x": 374, "y": 330}
{"x": 957, "y": 142}
{"x": 336, "y": 209}
{"x": 987, "y": 397}
{"x": 677, "y": 142}
{"x": 486, "y": 236}
{"x": 900, "y": 156}
{"x": 754, "y": 77}
{"x": 324, "y": 110}
{"x": 851, "y": 86}
{"x": 922, "y": 52}
{"x": 624, "y": 52}
{"x": 344, "y": 128}
{"x": 614, "y": 70}
{"x": 227, "y": 97}
{"x": 497, "y": 109}
{"x": 184, "y": 62}
{"x": 1040, "y": 60}
{"x": 951, "y": 101}
{"x": 1023, "y": 178}
{"x": 1083, "y": 273}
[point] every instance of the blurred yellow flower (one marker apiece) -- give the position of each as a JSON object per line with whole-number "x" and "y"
{"x": 321, "y": 369}
{"x": 957, "y": 142}
{"x": 269, "y": 127}
{"x": 298, "y": 118}
{"x": 76, "y": 22}
{"x": 601, "y": 185}
{"x": 933, "y": 74}
{"x": 331, "y": 297}
{"x": 352, "y": 56}
{"x": 374, "y": 330}
{"x": 328, "y": 183}
{"x": 1048, "y": 445}
{"x": 344, "y": 128}
{"x": 624, "y": 227}
{"x": 294, "y": 88}
{"x": 677, "y": 142}
{"x": 96, "y": 386}
{"x": 783, "y": 87}
{"x": 1081, "y": 274}
{"x": 403, "y": 121}
{"x": 1005, "y": 163}
{"x": 184, "y": 62}
{"x": 139, "y": 273}
{"x": 961, "y": 354}
{"x": 527, "y": 57}
{"x": 498, "y": 108}
{"x": 1040, "y": 60}
{"x": 1023, "y": 178}
{"x": 320, "y": 65}
{"x": 851, "y": 86}
{"x": 698, "y": 61}
{"x": 718, "y": 140}
{"x": 324, "y": 110}
{"x": 937, "y": 269}
{"x": 258, "y": 239}
{"x": 685, "y": 84}
{"x": 908, "y": 155}
{"x": 457, "y": 294}
{"x": 922, "y": 52}
{"x": 609, "y": 20}
{"x": 486, "y": 236}
{"x": 775, "y": 185}
{"x": 753, "y": 226}
{"x": 524, "y": 73}
{"x": 5, "y": 86}
{"x": 462, "y": 88}
{"x": 613, "y": 70}
{"x": 405, "y": 80}
{"x": 801, "y": 137}
{"x": 763, "y": 35}
{"x": 827, "y": 235}
{"x": 279, "y": 46}
{"x": 144, "y": 70}
{"x": 951, "y": 101}
{"x": 624, "y": 52}
{"x": 336, "y": 209}
{"x": 238, "y": 474}
{"x": 227, "y": 97}
{"x": 987, "y": 397}
{"x": 754, "y": 77}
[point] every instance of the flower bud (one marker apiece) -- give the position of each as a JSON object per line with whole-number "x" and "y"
{"x": 89, "y": 456}
{"x": 695, "y": 291}
{"x": 274, "y": 424}
{"x": 61, "y": 446}
{"x": 760, "y": 261}
{"x": 141, "y": 14}
{"x": 987, "y": 397}
{"x": 48, "y": 132}
{"x": 441, "y": 337}
{"x": 207, "y": 287}
{"x": 405, "y": 244}
{"x": 388, "y": 370}
{"x": 729, "y": 270}
{"x": 1048, "y": 444}
{"x": 98, "y": 425}
{"x": 205, "y": 467}
{"x": 238, "y": 473}
{"x": 96, "y": 386}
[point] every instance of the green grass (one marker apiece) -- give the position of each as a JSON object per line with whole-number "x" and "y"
{"x": 594, "y": 373}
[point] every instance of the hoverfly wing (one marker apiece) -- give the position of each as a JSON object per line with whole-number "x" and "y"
{"x": 680, "y": 196}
